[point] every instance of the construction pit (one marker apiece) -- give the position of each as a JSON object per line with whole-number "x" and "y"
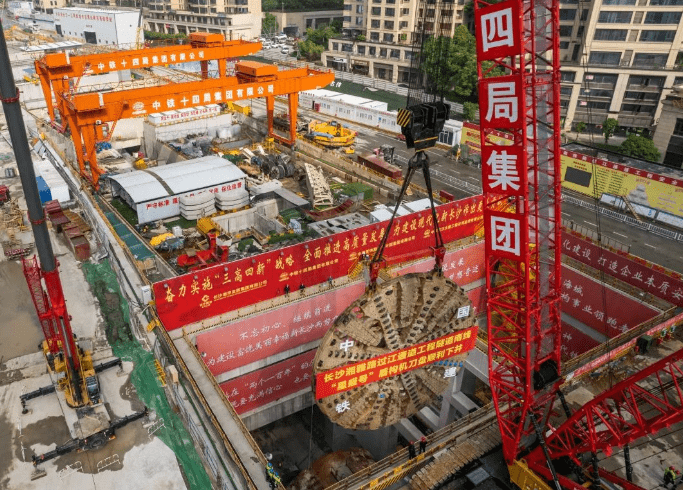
{"x": 284, "y": 425}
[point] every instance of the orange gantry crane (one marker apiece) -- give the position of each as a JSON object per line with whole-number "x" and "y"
{"x": 87, "y": 114}
{"x": 59, "y": 72}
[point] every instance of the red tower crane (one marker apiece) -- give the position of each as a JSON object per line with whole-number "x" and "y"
{"x": 519, "y": 70}
{"x": 517, "y": 43}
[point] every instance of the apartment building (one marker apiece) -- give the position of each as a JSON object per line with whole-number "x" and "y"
{"x": 48, "y": 6}
{"x": 235, "y": 19}
{"x": 377, "y": 35}
{"x": 294, "y": 24}
{"x": 620, "y": 59}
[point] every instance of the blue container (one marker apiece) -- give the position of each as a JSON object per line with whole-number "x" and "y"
{"x": 43, "y": 190}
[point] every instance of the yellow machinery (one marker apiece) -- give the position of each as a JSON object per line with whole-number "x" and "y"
{"x": 330, "y": 134}
{"x": 246, "y": 110}
{"x": 90, "y": 392}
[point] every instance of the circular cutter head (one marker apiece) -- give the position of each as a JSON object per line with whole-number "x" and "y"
{"x": 401, "y": 325}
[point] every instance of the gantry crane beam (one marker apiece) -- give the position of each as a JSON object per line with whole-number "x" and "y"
{"x": 87, "y": 113}
{"x": 58, "y": 69}
{"x": 642, "y": 404}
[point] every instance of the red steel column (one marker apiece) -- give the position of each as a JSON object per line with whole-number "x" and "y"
{"x": 518, "y": 53}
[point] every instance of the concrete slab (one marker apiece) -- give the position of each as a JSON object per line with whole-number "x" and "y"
{"x": 133, "y": 460}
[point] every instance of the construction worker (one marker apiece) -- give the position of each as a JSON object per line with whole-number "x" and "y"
{"x": 423, "y": 444}
{"x": 670, "y": 476}
{"x": 411, "y": 450}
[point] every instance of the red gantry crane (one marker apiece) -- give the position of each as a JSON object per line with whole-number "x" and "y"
{"x": 88, "y": 113}
{"x": 519, "y": 72}
{"x": 60, "y": 72}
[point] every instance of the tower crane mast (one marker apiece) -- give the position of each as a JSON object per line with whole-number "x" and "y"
{"x": 519, "y": 81}
{"x": 519, "y": 38}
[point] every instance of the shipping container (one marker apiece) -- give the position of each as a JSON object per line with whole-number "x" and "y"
{"x": 379, "y": 165}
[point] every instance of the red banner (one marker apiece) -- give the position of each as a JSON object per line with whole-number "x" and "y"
{"x": 633, "y": 270}
{"x": 265, "y": 334}
{"x": 575, "y": 342}
{"x": 600, "y": 307}
{"x": 394, "y": 363}
{"x": 270, "y": 383}
{"x": 462, "y": 266}
{"x": 225, "y": 287}
{"x": 478, "y": 298}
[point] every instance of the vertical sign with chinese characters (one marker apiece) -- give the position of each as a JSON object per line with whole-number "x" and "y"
{"x": 518, "y": 67}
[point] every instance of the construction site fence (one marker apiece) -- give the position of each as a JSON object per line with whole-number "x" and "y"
{"x": 642, "y": 225}
{"x": 375, "y": 475}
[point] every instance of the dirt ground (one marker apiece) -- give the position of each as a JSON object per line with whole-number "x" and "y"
{"x": 20, "y": 331}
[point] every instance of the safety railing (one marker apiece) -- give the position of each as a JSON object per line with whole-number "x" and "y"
{"x": 442, "y": 438}
{"x": 652, "y": 228}
{"x": 615, "y": 342}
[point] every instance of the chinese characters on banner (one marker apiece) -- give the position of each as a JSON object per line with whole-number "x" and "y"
{"x": 575, "y": 342}
{"x": 369, "y": 371}
{"x": 258, "y": 337}
{"x": 607, "y": 312}
{"x": 462, "y": 266}
{"x": 501, "y": 99}
{"x": 266, "y": 385}
{"x": 225, "y": 287}
{"x": 632, "y": 270}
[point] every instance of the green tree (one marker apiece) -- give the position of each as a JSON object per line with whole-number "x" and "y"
{"x": 301, "y": 5}
{"x": 320, "y": 36}
{"x": 269, "y": 25}
{"x": 640, "y": 147}
{"x": 580, "y": 128}
{"x": 469, "y": 110}
{"x": 310, "y": 50}
{"x": 451, "y": 64}
{"x": 609, "y": 126}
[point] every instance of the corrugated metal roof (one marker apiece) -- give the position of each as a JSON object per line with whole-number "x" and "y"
{"x": 140, "y": 186}
{"x": 180, "y": 178}
{"x": 197, "y": 174}
{"x": 58, "y": 45}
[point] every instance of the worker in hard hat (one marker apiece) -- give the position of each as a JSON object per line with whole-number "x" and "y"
{"x": 670, "y": 476}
